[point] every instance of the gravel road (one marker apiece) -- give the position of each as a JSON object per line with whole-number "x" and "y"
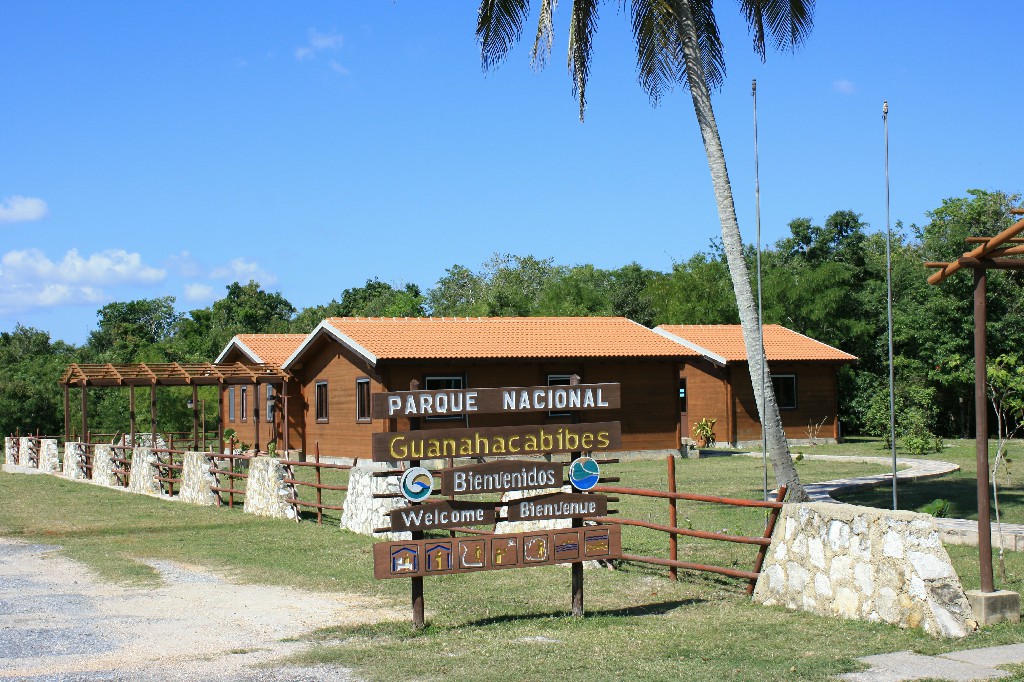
{"x": 58, "y": 621}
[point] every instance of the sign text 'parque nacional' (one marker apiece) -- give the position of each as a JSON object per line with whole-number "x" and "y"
{"x": 508, "y": 441}
{"x": 494, "y": 400}
{"x": 501, "y": 477}
{"x": 420, "y": 558}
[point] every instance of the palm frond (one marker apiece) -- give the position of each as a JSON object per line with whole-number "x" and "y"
{"x": 582, "y": 26}
{"x": 657, "y": 57}
{"x": 499, "y": 25}
{"x": 787, "y": 23}
{"x": 658, "y": 32}
{"x": 545, "y": 35}
{"x": 712, "y": 53}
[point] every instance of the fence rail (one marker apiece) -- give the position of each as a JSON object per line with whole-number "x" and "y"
{"x": 318, "y": 485}
{"x": 230, "y": 474}
{"x": 673, "y": 530}
{"x": 168, "y": 468}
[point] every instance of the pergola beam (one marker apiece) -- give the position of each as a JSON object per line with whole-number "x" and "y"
{"x": 979, "y": 253}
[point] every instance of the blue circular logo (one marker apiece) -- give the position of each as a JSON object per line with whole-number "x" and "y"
{"x": 417, "y": 483}
{"x": 583, "y": 473}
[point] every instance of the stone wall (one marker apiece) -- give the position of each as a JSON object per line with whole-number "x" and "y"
{"x": 266, "y": 493}
{"x": 363, "y": 512}
{"x": 11, "y": 450}
{"x": 49, "y": 457}
{"x": 102, "y": 466}
{"x": 143, "y": 477}
{"x": 197, "y": 480}
{"x": 74, "y": 461}
{"x": 865, "y": 564}
{"x": 28, "y": 452}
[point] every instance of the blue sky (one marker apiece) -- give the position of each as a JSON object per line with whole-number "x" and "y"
{"x": 168, "y": 148}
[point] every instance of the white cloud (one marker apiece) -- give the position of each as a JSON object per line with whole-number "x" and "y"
{"x": 318, "y": 42}
{"x": 18, "y": 209}
{"x": 184, "y": 264}
{"x": 198, "y": 293}
{"x": 845, "y": 87}
{"x": 29, "y": 279}
{"x": 338, "y": 68}
{"x": 241, "y": 270}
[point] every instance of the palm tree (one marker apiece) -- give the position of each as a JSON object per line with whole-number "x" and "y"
{"x": 677, "y": 42}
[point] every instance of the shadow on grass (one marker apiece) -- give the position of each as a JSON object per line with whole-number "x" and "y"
{"x": 654, "y": 609}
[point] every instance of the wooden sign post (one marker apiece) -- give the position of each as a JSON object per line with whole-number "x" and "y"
{"x": 421, "y": 557}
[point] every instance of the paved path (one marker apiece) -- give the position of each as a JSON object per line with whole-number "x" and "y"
{"x": 953, "y": 531}
{"x": 958, "y": 666}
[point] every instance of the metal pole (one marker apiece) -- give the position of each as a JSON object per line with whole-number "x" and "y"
{"x": 760, "y": 308}
{"x": 981, "y": 430}
{"x": 888, "y": 304}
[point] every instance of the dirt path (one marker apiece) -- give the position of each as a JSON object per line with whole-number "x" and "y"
{"x": 59, "y": 622}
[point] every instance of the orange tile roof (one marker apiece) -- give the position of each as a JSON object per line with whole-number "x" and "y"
{"x": 270, "y": 348}
{"x": 780, "y": 343}
{"x": 422, "y": 338}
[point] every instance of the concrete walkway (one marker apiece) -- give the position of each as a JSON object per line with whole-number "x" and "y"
{"x": 958, "y": 666}
{"x": 953, "y": 531}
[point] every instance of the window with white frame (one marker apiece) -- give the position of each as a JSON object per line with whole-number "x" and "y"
{"x": 320, "y": 398}
{"x": 243, "y": 403}
{"x": 270, "y": 403}
{"x": 231, "y": 403}
{"x": 363, "y": 400}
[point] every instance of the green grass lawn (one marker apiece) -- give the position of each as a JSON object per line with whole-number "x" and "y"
{"x": 505, "y": 625}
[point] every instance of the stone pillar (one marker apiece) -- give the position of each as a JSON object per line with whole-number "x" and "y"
{"x": 266, "y": 493}
{"x": 28, "y": 452}
{"x": 74, "y": 460}
{"x": 864, "y": 564}
{"x": 363, "y": 512}
{"x": 49, "y": 458}
{"x": 197, "y": 479}
{"x": 102, "y": 466}
{"x": 11, "y": 450}
{"x": 142, "y": 478}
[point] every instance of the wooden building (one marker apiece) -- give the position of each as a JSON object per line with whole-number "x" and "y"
{"x": 716, "y": 385}
{"x": 336, "y": 368}
{"x": 254, "y": 411}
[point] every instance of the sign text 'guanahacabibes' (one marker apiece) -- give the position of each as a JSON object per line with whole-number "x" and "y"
{"x": 419, "y": 558}
{"x": 494, "y": 400}
{"x": 508, "y": 441}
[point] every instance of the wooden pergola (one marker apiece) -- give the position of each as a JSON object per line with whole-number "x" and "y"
{"x": 992, "y": 253}
{"x": 153, "y": 374}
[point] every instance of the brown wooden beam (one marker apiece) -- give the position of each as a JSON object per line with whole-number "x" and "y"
{"x": 195, "y": 418}
{"x": 85, "y": 413}
{"x": 985, "y": 240}
{"x": 980, "y": 252}
{"x": 67, "y": 413}
{"x": 131, "y": 413}
{"x": 152, "y": 413}
{"x": 992, "y": 263}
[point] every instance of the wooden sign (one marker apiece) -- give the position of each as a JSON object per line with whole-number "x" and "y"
{"x": 500, "y": 441}
{"x": 446, "y": 514}
{"x": 448, "y": 402}
{"x": 500, "y": 477}
{"x": 557, "y": 506}
{"x": 421, "y": 558}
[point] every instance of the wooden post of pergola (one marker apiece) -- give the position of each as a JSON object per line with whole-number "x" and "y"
{"x": 85, "y": 414}
{"x": 152, "y": 415}
{"x": 284, "y": 417}
{"x": 131, "y": 414}
{"x": 989, "y": 605}
{"x": 195, "y": 418}
{"x": 67, "y": 413}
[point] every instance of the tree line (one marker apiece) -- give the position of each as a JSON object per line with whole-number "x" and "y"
{"x": 826, "y": 280}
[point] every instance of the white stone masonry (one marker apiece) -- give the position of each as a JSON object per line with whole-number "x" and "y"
{"x": 864, "y": 564}
{"x": 197, "y": 481}
{"x": 49, "y": 457}
{"x": 363, "y": 512}
{"x": 144, "y": 473}
{"x": 266, "y": 493}
{"x": 74, "y": 460}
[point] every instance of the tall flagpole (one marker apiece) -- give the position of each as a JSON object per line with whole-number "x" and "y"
{"x": 888, "y": 300}
{"x": 760, "y": 311}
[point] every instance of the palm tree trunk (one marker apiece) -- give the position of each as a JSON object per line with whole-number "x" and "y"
{"x": 768, "y": 408}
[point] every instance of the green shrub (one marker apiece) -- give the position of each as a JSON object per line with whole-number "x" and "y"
{"x": 938, "y": 508}
{"x": 704, "y": 433}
